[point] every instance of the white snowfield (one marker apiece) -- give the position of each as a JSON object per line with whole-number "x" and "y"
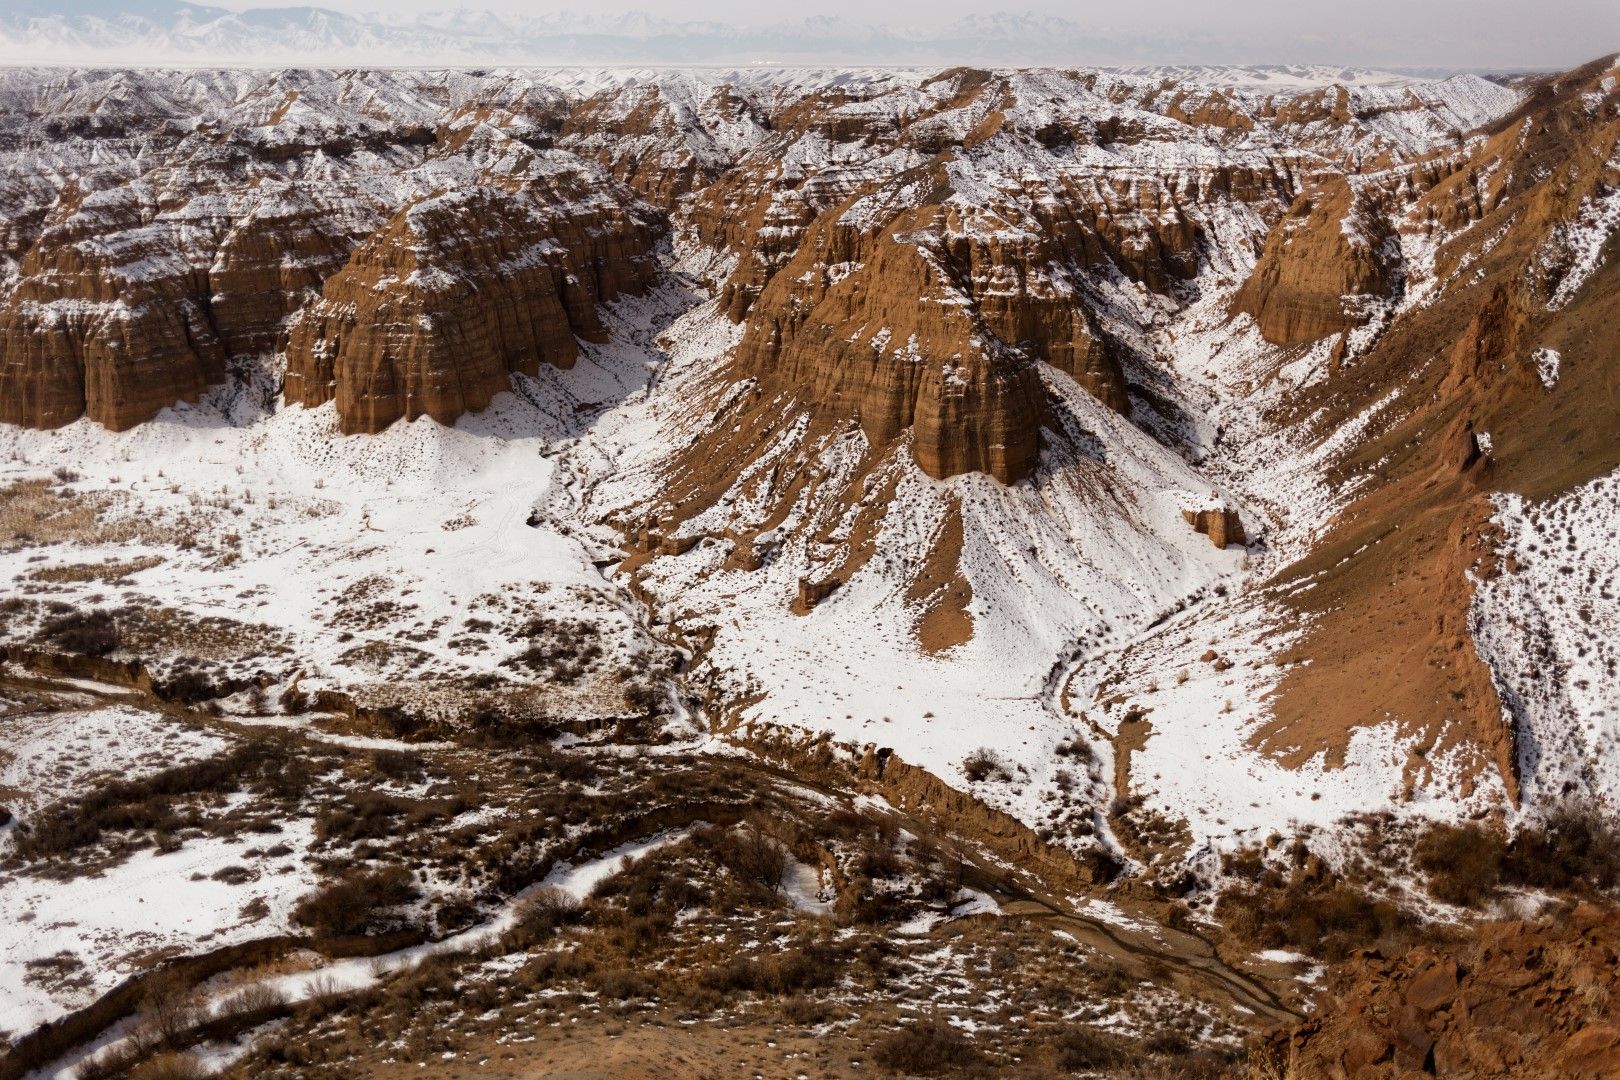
{"x": 1548, "y": 624}
{"x": 64, "y": 942}
{"x": 152, "y": 902}
{"x": 426, "y": 525}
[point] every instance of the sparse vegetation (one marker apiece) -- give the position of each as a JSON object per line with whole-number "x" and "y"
{"x": 983, "y": 765}
{"x": 87, "y": 633}
{"x": 159, "y": 803}
{"x": 926, "y": 1049}
{"x": 351, "y": 904}
{"x": 1322, "y": 918}
{"x": 1463, "y": 863}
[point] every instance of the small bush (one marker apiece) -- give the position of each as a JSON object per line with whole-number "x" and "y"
{"x": 153, "y": 802}
{"x": 755, "y": 859}
{"x": 1084, "y": 1047}
{"x": 1327, "y": 920}
{"x": 256, "y": 998}
{"x": 189, "y": 688}
{"x": 539, "y": 916}
{"x": 349, "y": 905}
{"x": 805, "y": 1011}
{"x": 622, "y": 984}
{"x": 811, "y": 968}
{"x": 982, "y": 765}
{"x": 87, "y": 633}
{"x": 926, "y": 1050}
{"x": 1463, "y": 863}
{"x": 1577, "y": 849}
{"x": 169, "y": 1067}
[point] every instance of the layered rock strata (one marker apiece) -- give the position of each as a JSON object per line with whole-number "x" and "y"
{"x": 1330, "y": 251}
{"x": 435, "y": 311}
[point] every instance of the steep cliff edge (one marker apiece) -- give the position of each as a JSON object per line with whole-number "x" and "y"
{"x": 1330, "y": 251}
{"x": 435, "y": 311}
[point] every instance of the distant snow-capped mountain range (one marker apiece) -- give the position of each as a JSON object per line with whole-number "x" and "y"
{"x": 160, "y": 32}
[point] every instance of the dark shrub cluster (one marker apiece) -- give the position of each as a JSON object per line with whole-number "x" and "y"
{"x": 1082, "y": 1047}
{"x": 561, "y": 649}
{"x": 926, "y": 1050}
{"x": 756, "y": 860}
{"x": 982, "y": 765}
{"x": 86, "y": 633}
{"x": 351, "y": 904}
{"x": 1463, "y": 863}
{"x": 373, "y": 815}
{"x": 1574, "y": 849}
{"x": 154, "y": 802}
{"x": 1327, "y": 919}
{"x": 810, "y": 967}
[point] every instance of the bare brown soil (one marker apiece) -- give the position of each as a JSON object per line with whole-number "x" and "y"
{"x": 942, "y": 590}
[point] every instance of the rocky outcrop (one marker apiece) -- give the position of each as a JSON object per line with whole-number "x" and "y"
{"x": 927, "y": 320}
{"x": 1327, "y": 253}
{"x": 1531, "y": 1001}
{"x": 106, "y": 319}
{"x": 872, "y": 327}
{"x": 134, "y": 294}
{"x": 186, "y": 217}
{"x": 1221, "y": 524}
{"x": 434, "y": 313}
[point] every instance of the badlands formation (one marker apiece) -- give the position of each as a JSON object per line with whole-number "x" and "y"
{"x": 1159, "y": 525}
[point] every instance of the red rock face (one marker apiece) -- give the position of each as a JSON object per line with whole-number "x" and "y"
{"x": 884, "y": 337}
{"x": 436, "y": 310}
{"x": 133, "y": 296}
{"x": 1222, "y": 525}
{"x": 1520, "y": 1005}
{"x": 1328, "y": 251}
{"x": 930, "y": 322}
{"x": 105, "y": 319}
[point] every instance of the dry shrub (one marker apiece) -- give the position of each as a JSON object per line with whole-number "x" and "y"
{"x": 1327, "y": 920}
{"x": 926, "y": 1050}
{"x": 169, "y": 1067}
{"x": 1076, "y": 748}
{"x": 375, "y": 815}
{"x": 1083, "y": 1047}
{"x": 87, "y": 633}
{"x": 983, "y": 765}
{"x": 539, "y": 916}
{"x": 1463, "y": 863}
{"x": 622, "y": 984}
{"x": 812, "y": 967}
{"x": 149, "y": 803}
{"x": 754, "y": 858}
{"x": 349, "y": 905}
{"x": 805, "y": 1011}
{"x": 1576, "y": 849}
{"x": 191, "y": 688}
{"x": 254, "y": 998}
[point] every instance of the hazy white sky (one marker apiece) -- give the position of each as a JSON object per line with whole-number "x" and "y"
{"x": 1439, "y": 33}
